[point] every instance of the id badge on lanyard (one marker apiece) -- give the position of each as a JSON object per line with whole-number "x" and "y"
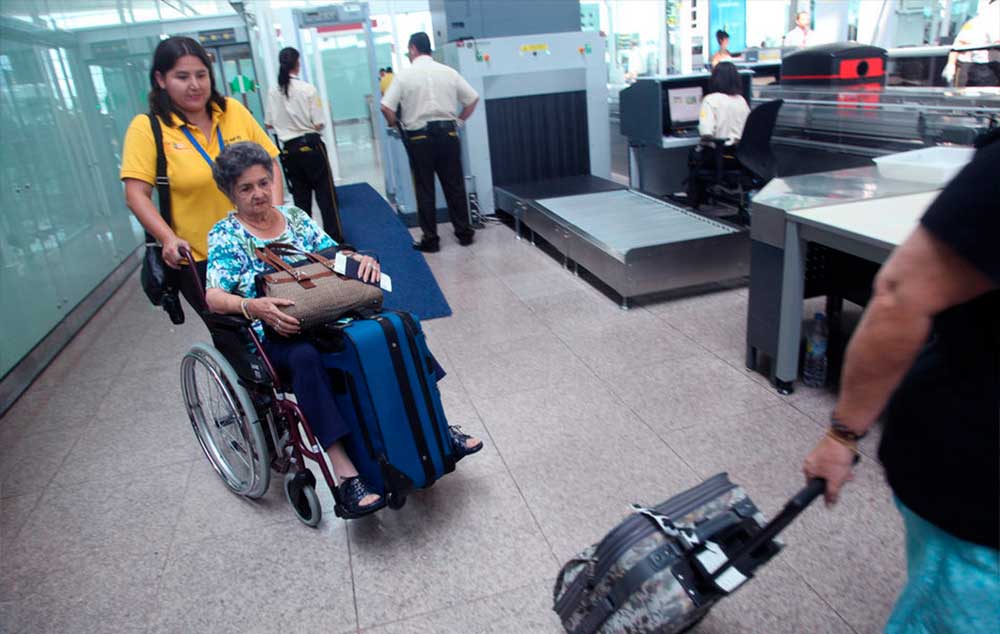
{"x": 197, "y": 146}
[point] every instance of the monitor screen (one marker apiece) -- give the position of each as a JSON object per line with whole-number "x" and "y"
{"x": 685, "y": 105}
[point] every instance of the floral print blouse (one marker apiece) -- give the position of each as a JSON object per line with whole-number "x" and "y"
{"x": 232, "y": 265}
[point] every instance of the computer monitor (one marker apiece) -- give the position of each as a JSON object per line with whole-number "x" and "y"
{"x": 685, "y": 106}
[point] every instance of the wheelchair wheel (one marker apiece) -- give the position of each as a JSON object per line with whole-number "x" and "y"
{"x": 300, "y": 491}
{"x": 225, "y": 421}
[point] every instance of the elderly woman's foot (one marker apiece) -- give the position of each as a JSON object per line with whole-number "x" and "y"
{"x": 463, "y": 443}
{"x": 357, "y": 498}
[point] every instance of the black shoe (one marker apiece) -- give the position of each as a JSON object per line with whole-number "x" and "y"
{"x": 352, "y": 491}
{"x": 467, "y": 240}
{"x": 427, "y": 246}
{"x": 459, "y": 442}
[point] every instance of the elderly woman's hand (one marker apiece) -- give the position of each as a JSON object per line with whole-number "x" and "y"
{"x": 268, "y": 310}
{"x": 368, "y": 270}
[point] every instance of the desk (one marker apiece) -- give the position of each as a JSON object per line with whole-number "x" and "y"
{"x": 684, "y": 140}
{"x": 821, "y": 234}
{"x": 660, "y": 171}
{"x": 868, "y": 229}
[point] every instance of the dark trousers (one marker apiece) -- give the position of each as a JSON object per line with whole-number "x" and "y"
{"x": 971, "y": 74}
{"x": 308, "y": 172}
{"x": 311, "y": 385}
{"x": 706, "y": 166}
{"x": 437, "y": 150}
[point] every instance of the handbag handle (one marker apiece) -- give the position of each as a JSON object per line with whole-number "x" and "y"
{"x": 283, "y": 248}
{"x": 278, "y": 264}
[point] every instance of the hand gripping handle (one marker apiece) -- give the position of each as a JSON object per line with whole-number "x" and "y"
{"x": 813, "y": 489}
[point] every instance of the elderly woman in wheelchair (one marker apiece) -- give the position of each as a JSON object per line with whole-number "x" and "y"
{"x": 244, "y": 172}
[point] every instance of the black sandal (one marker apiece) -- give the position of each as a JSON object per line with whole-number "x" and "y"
{"x": 459, "y": 440}
{"x": 352, "y": 491}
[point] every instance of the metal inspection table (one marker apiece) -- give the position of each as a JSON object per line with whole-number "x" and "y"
{"x": 633, "y": 243}
{"x": 816, "y": 235}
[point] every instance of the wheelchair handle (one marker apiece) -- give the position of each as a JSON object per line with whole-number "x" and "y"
{"x": 192, "y": 269}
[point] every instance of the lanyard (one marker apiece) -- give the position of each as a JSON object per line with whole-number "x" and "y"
{"x": 197, "y": 145}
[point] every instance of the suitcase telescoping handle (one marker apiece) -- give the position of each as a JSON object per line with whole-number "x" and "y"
{"x": 813, "y": 489}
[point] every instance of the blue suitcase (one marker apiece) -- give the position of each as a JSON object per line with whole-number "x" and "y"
{"x": 385, "y": 384}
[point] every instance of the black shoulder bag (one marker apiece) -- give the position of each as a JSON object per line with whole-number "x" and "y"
{"x": 159, "y": 281}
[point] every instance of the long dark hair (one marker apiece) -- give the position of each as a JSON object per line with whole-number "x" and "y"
{"x": 725, "y": 79}
{"x": 288, "y": 59}
{"x": 164, "y": 59}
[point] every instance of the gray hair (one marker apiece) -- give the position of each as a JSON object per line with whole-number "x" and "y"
{"x": 237, "y": 158}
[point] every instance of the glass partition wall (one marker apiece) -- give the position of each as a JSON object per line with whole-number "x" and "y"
{"x": 66, "y": 99}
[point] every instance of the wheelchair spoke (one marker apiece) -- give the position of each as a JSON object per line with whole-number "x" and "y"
{"x": 229, "y": 435}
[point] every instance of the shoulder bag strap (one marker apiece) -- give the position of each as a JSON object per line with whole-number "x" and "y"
{"x": 271, "y": 258}
{"x": 162, "y": 184}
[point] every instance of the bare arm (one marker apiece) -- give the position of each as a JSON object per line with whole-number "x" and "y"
{"x": 266, "y": 309}
{"x": 922, "y": 278}
{"x": 468, "y": 110}
{"x": 390, "y": 116}
{"x": 139, "y": 198}
{"x": 278, "y": 190}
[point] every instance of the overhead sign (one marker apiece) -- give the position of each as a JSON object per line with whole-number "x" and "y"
{"x": 219, "y": 36}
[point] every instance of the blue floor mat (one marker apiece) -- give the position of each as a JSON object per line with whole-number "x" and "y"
{"x": 370, "y": 224}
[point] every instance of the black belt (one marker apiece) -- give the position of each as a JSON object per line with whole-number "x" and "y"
{"x": 311, "y": 141}
{"x": 433, "y": 127}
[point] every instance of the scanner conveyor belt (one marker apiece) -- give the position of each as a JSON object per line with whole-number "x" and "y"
{"x": 622, "y": 221}
{"x": 636, "y": 244}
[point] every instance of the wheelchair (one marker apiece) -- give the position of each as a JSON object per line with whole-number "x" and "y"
{"x": 245, "y": 421}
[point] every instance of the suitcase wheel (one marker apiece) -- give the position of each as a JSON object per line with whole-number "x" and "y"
{"x": 395, "y": 501}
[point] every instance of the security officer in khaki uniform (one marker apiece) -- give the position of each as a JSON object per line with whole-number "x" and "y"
{"x": 429, "y": 94}
{"x": 295, "y": 113}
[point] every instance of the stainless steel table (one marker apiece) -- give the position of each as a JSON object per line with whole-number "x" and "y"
{"x": 868, "y": 229}
{"x": 819, "y": 235}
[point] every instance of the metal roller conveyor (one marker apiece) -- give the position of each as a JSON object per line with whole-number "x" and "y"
{"x": 622, "y": 221}
{"x": 637, "y": 244}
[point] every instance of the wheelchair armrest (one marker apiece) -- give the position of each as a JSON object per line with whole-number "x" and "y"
{"x": 226, "y": 322}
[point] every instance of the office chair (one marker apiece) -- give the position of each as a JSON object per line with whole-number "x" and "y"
{"x": 746, "y": 167}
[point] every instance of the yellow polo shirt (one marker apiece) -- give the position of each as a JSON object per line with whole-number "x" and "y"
{"x": 196, "y": 203}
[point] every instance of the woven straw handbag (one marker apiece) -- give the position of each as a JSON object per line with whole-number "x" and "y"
{"x": 320, "y": 294}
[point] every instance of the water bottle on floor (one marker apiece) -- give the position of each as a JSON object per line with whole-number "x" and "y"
{"x": 814, "y": 370}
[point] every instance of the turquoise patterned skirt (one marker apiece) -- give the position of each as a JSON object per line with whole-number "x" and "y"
{"x": 952, "y": 587}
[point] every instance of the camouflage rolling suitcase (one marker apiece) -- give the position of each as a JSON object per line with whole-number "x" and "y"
{"x": 662, "y": 569}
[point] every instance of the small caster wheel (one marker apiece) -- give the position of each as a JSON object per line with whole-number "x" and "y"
{"x": 784, "y": 387}
{"x": 300, "y": 491}
{"x": 395, "y": 501}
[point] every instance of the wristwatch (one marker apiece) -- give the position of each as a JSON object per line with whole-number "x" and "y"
{"x": 843, "y": 432}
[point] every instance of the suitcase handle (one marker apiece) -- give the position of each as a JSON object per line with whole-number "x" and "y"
{"x": 813, "y": 489}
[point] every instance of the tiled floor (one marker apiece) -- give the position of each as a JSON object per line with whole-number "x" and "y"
{"x": 112, "y": 521}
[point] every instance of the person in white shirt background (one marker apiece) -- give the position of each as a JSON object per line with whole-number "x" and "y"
{"x": 295, "y": 113}
{"x": 429, "y": 94}
{"x": 723, "y": 115}
{"x": 982, "y": 67}
{"x": 799, "y": 36}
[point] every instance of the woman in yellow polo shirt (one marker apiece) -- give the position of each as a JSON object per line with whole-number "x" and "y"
{"x": 197, "y": 123}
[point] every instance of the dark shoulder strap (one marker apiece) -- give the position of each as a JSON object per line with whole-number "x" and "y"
{"x": 162, "y": 184}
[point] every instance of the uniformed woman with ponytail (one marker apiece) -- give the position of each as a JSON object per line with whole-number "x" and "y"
{"x": 295, "y": 113}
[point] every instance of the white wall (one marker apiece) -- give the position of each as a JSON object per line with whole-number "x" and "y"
{"x": 767, "y": 21}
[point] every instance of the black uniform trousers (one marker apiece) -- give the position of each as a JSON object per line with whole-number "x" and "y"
{"x": 437, "y": 150}
{"x": 982, "y": 74}
{"x": 308, "y": 171}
